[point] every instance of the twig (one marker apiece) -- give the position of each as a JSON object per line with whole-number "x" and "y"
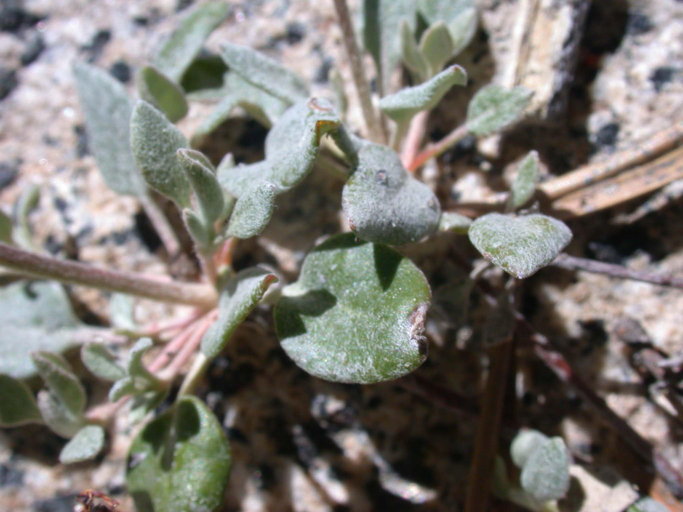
{"x": 437, "y": 148}
{"x": 357, "y": 71}
{"x": 488, "y": 429}
{"x": 416, "y": 132}
{"x": 72, "y": 272}
{"x": 583, "y": 176}
{"x": 161, "y": 225}
{"x": 598, "y": 267}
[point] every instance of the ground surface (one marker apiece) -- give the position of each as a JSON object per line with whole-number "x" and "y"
{"x": 300, "y": 443}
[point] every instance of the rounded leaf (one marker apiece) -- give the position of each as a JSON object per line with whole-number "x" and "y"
{"x": 519, "y": 245}
{"x": 17, "y": 406}
{"x": 85, "y": 445}
{"x": 523, "y": 444}
{"x": 356, "y": 314}
{"x": 545, "y": 475}
{"x": 180, "y": 461}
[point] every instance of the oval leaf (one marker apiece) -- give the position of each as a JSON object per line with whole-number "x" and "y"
{"x": 180, "y": 461}
{"x": 155, "y": 141}
{"x": 163, "y": 93}
{"x": 85, "y": 445}
{"x": 56, "y": 416}
{"x": 183, "y": 45}
{"x": 264, "y": 73}
{"x": 412, "y": 58}
{"x": 436, "y": 46}
{"x": 409, "y": 101}
{"x": 494, "y": 108}
{"x": 207, "y": 190}
{"x": 107, "y": 110}
{"x": 451, "y": 221}
{"x": 545, "y": 475}
{"x": 384, "y": 203}
{"x": 523, "y": 444}
{"x": 241, "y": 294}
{"x": 462, "y": 29}
{"x": 253, "y": 210}
{"x": 356, "y": 314}
{"x": 61, "y": 381}
{"x": 17, "y": 406}
{"x": 101, "y": 362}
{"x": 519, "y": 245}
{"x": 524, "y": 186}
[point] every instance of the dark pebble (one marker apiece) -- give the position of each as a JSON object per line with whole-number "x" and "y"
{"x": 121, "y": 71}
{"x": 95, "y": 47}
{"x": 34, "y": 47}
{"x": 662, "y": 76}
{"x": 82, "y": 147}
{"x": 8, "y": 81}
{"x": 8, "y": 172}
{"x": 183, "y": 4}
{"x": 322, "y": 74}
{"x": 10, "y": 476}
{"x": 13, "y": 16}
{"x": 295, "y": 32}
{"x": 58, "y": 504}
{"x": 638, "y": 23}
{"x": 607, "y": 135}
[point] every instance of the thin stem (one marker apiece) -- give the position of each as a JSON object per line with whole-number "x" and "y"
{"x": 437, "y": 148}
{"x": 158, "y": 328}
{"x": 488, "y": 429}
{"x": 161, "y": 225}
{"x": 72, "y": 272}
{"x": 194, "y": 375}
{"x": 598, "y": 267}
{"x": 171, "y": 349}
{"x": 189, "y": 346}
{"x": 416, "y": 132}
{"x": 358, "y": 71}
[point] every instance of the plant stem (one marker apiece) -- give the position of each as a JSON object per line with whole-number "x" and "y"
{"x": 161, "y": 225}
{"x": 357, "y": 71}
{"x": 416, "y": 132}
{"x": 598, "y": 267}
{"x": 488, "y": 429}
{"x": 72, "y": 272}
{"x": 437, "y": 148}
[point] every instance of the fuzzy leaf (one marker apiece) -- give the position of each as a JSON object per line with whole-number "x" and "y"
{"x": 253, "y": 210}
{"x": 494, "y": 108}
{"x": 385, "y": 204}
{"x": 459, "y": 15}
{"x": 61, "y": 381}
{"x": 545, "y": 475}
{"x": 382, "y": 21}
{"x": 56, "y": 415}
{"x": 204, "y": 79}
{"x": 412, "y": 57}
{"x": 101, "y": 362}
{"x": 292, "y": 144}
{"x": 155, "y": 141}
{"x": 180, "y": 461}
{"x": 524, "y": 186}
{"x": 107, "y": 110}
{"x": 356, "y": 314}
{"x": 436, "y": 46}
{"x": 407, "y": 102}
{"x": 519, "y": 245}
{"x": 183, "y": 45}
{"x": 240, "y": 296}
{"x": 162, "y": 92}
{"x": 39, "y": 314}
{"x": 138, "y": 379}
{"x": 198, "y": 229}
{"x": 451, "y": 221}
{"x": 264, "y": 73}
{"x": 17, "y": 406}
{"x": 462, "y": 29}
{"x": 202, "y": 176}
{"x": 85, "y": 445}
{"x": 122, "y": 312}
{"x": 524, "y": 443}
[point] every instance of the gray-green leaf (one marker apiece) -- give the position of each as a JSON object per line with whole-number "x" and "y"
{"x": 180, "y": 461}
{"x": 207, "y": 191}
{"x": 384, "y": 203}
{"x": 39, "y": 314}
{"x": 524, "y": 443}
{"x": 436, "y": 46}
{"x": 407, "y": 102}
{"x": 101, "y": 362}
{"x": 107, "y": 110}
{"x": 647, "y": 505}
{"x": 155, "y": 141}
{"x": 524, "y": 186}
{"x": 494, "y": 108}
{"x": 356, "y": 314}
{"x": 162, "y": 92}
{"x": 412, "y": 57}
{"x": 519, "y": 245}
{"x": 56, "y": 415}
{"x": 138, "y": 378}
{"x": 451, "y": 221}
{"x": 85, "y": 445}
{"x": 61, "y": 381}
{"x": 17, "y": 406}
{"x": 545, "y": 475}
{"x": 241, "y": 294}
{"x": 253, "y": 210}
{"x": 5, "y": 228}
{"x": 264, "y": 73}
{"x": 462, "y": 29}
{"x": 459, "y": 15}
{"x": 183, "y": 45}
